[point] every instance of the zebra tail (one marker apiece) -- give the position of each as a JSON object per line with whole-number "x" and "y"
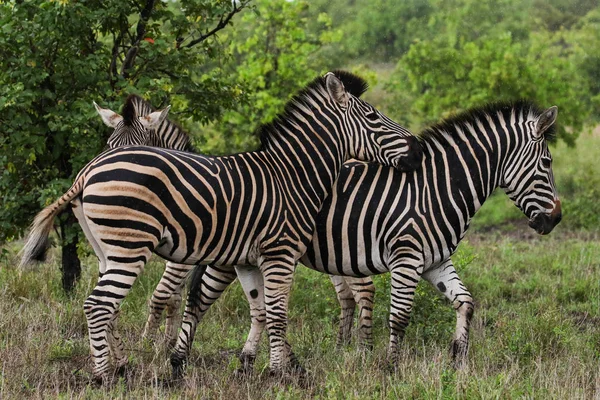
{"x": 195, "y": 282}
{"x": 37, "y": 242}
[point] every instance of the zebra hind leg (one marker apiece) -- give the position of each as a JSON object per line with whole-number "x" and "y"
{"x": 446, "y": 281}
{"x": 363, "y": 291}
{"x": 347, "y": 306}
{"x": 405, "y": 277}
{"x": 207, "y": 285}
{"x": 101, "y": 309}
{"x": 167, "y": 295}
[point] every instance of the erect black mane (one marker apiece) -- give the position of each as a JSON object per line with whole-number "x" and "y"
{"x": 449, "y": 126}
{"x": 354, "y": 85}
{"x": 128, "y": 112}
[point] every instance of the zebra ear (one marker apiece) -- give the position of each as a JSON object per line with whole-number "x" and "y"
{"x": 336, "y": 89}
{"x": 153, "y": 120}
{"x": 109, "y": 117}
{"x": 546, "y": 120}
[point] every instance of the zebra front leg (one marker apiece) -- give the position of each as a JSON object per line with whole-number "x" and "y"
{"x": 207, "y": 285}
{"x": 446, "y": 281}
{"x": 167, "y": 295}
{"x": 405, "y": 278}
{"x": 252, "y": 283}
{"x": 363, "y": 291}
{"x": 347, "y": 306}
{"x": 278, "y": 275}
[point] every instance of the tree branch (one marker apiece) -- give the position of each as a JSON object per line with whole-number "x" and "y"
{"x": 223, "y": 21}
{"x": 140, "y": 32}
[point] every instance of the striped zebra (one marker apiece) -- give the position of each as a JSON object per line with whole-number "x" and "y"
{"x": 167, "y": 295}
{"x": 256, "y": 208}
{"x": 381, "y": 220}
{"x": 140, "y": 124}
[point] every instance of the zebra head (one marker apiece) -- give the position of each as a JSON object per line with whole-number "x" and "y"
{"x": 528, "y": 180}
{"x": 376, "y": 137}
{"x": 131, "y": 129}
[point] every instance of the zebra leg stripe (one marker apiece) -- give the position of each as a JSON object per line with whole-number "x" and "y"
{"x": 363, "y": 291}
{"x": 174, "y": 317}
{"x": 115, "y": 344}
{"x": 446, "y": 281}
{"x": 205, "y": 289}
{"x": 405, "y": 278}
{"x": 101, "y": 309}
{"x": 347, "y": 306}
{"x": 277, "y": 274}
{"x": 167, "y": 295}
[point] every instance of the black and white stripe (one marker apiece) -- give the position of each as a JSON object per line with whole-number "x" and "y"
{"x": 140, "y": 124}
{"x": 255, "y": 208}
{"x": 381, "y": 220}
{"x": 129, "y": 131}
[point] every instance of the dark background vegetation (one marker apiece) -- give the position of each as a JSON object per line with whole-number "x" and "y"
{"x": 228, "y": 67}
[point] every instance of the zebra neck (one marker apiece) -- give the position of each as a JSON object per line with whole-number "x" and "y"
{"x": 307, "y": 163}
{"x": 467, "y": 166}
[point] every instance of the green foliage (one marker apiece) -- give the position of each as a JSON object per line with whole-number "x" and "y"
{"x": 274, "y": 54}
{"x": 451, "y": 73}
{"x": 58, "y": 56}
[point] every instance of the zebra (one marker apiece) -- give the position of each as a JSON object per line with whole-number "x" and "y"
{"x": 132, "y": 128}
{"x": 167, "y": 295}
{"x": 256, "y": 208}
{"x": 140, "y": 124}
{"x": 381, "y": 220}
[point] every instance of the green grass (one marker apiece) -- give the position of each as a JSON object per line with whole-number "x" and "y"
{"x": 536, "y": 333}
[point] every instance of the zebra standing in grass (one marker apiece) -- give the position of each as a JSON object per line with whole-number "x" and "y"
{"x": 140, "y": 124}
{"x": 167, "y": 295}
{"x": 256, "y": 208}
{"x": 381, "y": 220}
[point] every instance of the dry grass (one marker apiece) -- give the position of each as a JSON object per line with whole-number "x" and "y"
{"x": 536, "y": 334}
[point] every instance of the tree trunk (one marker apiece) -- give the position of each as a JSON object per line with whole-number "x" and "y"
{"x": 71, "y": 266}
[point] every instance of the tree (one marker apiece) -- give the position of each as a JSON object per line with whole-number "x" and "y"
{"x": 58, "y": 56}
{"x": 470, "y": 64}
{"x": 274, "y": 54}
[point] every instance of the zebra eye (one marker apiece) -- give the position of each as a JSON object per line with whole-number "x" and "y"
{"x": 546, "y": 162}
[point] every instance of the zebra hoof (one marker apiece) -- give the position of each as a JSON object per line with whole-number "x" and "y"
{"x": 247, "y": 367}
{"x": 459, "y": 355}
{"x": 178, "y": 367}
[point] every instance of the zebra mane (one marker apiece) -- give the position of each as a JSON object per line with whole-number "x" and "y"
{"x": 354, "y": 85}
{"x": 136, "y": 106}
{"x": 129, "y": 112}
{"x": 439, "y": 132}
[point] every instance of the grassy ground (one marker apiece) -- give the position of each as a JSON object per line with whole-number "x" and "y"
{"x": 536, "y": 329}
